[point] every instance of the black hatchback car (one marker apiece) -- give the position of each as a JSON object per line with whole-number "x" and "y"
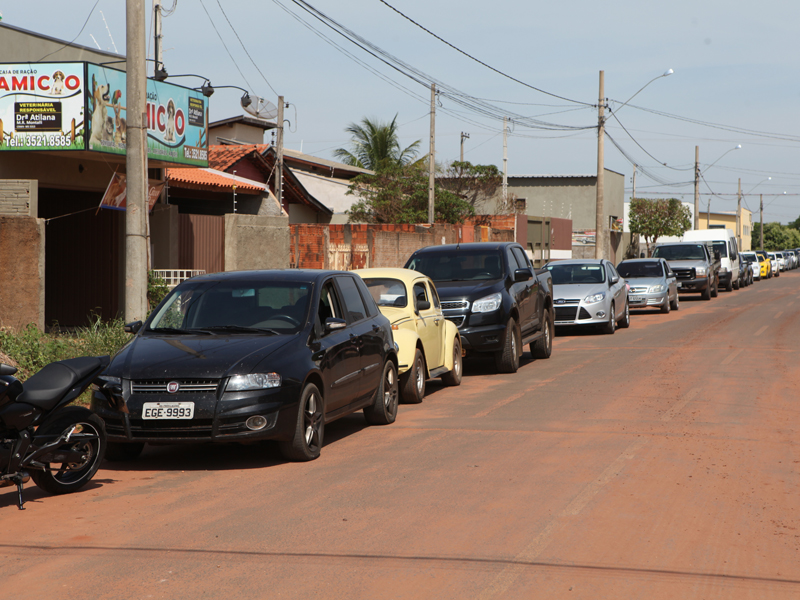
{"x": 251, "y": 355}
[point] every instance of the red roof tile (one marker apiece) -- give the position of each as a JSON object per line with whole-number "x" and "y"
{"x": 213, "y": 180}
{"x": 221, "y": 157}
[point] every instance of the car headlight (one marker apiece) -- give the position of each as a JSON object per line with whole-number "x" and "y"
{"x": 487, "y": 303}
{"x": 594, "y": 298}
{"x": 105, "y": 381}
{"x": 254, "y": 381}
{"x": 655, "y": 289}
{"x": 700, "y": 271}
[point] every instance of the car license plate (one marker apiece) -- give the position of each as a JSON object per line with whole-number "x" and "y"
{"x": 167, "y": 410}
{"x": 636, "y": 299}
{"x": 680, "y": 285}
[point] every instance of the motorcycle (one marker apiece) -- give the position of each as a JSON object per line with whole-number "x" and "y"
{"x": 60, "y": 447}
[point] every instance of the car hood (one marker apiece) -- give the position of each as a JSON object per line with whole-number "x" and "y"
{"x": 472, "y": 290}
{"x": 200, "y": 356}
{"x": 579, "y": 291}
{"x": 645, "y": 281}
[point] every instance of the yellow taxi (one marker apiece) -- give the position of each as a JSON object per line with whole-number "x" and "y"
{"x": 429, "y": 345}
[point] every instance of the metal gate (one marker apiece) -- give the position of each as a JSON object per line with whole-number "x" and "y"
{"x": 201, "y": 242}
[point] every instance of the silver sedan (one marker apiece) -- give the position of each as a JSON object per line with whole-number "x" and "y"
{"x": 652, "y": 284}
{"x": 589, "y": 292}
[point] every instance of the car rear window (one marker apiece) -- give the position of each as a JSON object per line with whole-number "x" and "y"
{"x": 640, "y": 269}
{"x": 387, "y": 292}
{"x": 576, "y": 273}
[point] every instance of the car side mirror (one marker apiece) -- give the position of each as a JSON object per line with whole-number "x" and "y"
{"x": 7, "y": 369}
{"x": 133, "y": 327}
{"x": 522, "y": 275}
{"x": 332, "y": 324}
{"x": 615, "y": 279}
{"x": 423, "y": 305}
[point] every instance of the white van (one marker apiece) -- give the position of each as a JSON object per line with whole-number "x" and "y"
{"x": 725, "y": 242}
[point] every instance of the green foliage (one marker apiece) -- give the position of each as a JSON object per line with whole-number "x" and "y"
{"x": 157, "y": 289}
{"x": 375, "y": 146}
{"x": 776, "y": 236}
{"x": 470, "y": 182}
{"x": 653, "y": 219}
{"x": 399, "y": 194}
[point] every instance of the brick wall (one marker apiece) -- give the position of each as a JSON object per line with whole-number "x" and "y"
{"x": 19, "y": 197}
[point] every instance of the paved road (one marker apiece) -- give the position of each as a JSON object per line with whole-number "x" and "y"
{"x": 660, "y": 462}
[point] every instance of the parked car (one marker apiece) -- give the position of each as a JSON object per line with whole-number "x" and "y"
{"x": 695, "y": 264}
{"x": 724, "y": 243}
{"x": 589, "y": 292}
{"x": 745, "y": 272}
{"x": 752, "y": 260}
{"x": 775, "y": 263}
{"x": 492, "y": 293}
{"x": 251, "y": 355}
{"x": 651, "y": 283}
{"x": 429, "y": 345}
{"x": 766, "y": 262}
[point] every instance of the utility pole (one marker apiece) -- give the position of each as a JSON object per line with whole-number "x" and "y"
{"x": 136, "y": 164}
{"x": 505, "y": 159}
{"x": 279, "y": 155}
{"x": 599, "y": 236}
{"x": 708, "y": 213}
{"x": 432, "y": 157}
{"x": 739, "y": 216}
{"x": 159, "y": 47}
{"x": 634, "y": 183}
{"x": 697, "y": 187}
{"x": 761, "y": 228}
{"x": 464, "y": 136}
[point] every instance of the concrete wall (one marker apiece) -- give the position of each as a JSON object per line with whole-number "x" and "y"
{"x": 22, "y": 272}
{"x": 256, "y": 242}
{"x": 19, "y": 197}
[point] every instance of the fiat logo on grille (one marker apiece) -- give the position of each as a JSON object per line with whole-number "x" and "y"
{"x": 173, "y": 387}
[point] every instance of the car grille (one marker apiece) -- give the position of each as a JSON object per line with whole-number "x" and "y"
{"x": 187, "y": 386}
{"x": 565, "y": 301}
{"x": 639, "y": 290}
{"x": 684, "y": 273}
{"x": 566, "y": 313}
{"x": 584, "y": 314}
{"x": 455, "y": 305}
{"x": 458, "y": 321}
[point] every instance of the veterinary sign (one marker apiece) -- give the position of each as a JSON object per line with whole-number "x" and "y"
{"x": 42, "y": 106}
{"x": 177, "y": 118}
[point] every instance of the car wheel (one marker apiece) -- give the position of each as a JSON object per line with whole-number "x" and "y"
{"x": 453, "y": 376}
{"x": 667, "y": 306}
{"x": 412, "y": 382}
{"x": 507, "y": 359}
{"x": 543, "y": 347}
{"x": 306, "y": 442}
{"x": 383, "y": 409}
{"x": 676, "y": 304}
{"x": 611, "y": 326}
{"x": 626, "y": 319}
{"x": 122, "y": 451}
{"x": 729, "y": 285}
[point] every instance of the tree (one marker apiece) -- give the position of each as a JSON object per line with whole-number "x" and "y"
{"x": 374, "y": 146}
{"x": 776, "y": 236}
{"x": 658, "y": 218}
{"x": 470, "y": 182}
{"x": 399, "y": 194}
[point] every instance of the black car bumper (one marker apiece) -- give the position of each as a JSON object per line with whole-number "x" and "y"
{"x": 692, "y": 285}
{"x": 487, "y": 338}
{"x": 215, "y": 420}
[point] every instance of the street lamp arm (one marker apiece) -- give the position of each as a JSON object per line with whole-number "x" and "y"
{"x": 737, "y": 147}
{"x": 665, "y": 74}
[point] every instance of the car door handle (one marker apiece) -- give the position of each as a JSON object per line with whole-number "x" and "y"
{"x": 436, "y": 320}
{"x": 375, "y": 328}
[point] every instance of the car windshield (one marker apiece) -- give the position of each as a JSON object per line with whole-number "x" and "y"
{"x": 241, "y": 306}
{"x": 749, "y": 257}
{"x": 387, "y": 292}
{"x": 680, "y": 252}
{"x": 459, "y": 265}
{"x": 640, "y": 269}
{"x": 563, "y": 274}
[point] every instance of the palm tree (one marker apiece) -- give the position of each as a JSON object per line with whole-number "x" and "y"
{"x": 375, "y": 146}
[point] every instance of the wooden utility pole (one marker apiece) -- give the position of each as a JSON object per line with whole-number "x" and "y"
{"x": 136, "y": 164}
{"x": 464, "y": 136}
{"x": 761, "y": 228}
{"x": 696, "y": 187}
{"x": 599, "y": 235}
{"x": 739, "y": 216}
{"x": 159, "y": 47}
{"x": 279, "y": 155}
{"x": 432, "y": 157}
{"x": 505, "y": 159}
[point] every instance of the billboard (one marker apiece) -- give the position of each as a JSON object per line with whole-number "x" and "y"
{"x": 42, "y": 106}
{"x": 177, "y": 118}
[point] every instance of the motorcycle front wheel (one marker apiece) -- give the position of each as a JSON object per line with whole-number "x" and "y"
{"x": 87, "y": 437}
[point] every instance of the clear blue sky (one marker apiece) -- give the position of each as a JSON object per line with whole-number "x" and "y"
{"x": 736, "y": 65}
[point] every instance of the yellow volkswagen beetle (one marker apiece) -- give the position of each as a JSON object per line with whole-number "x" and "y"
{"x": 429, "y": 344}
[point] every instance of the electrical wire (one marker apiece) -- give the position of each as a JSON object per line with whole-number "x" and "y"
{"x": 76, "y": 37}
{"x": 225, "y": 45}
{"x": 643, "y": 148}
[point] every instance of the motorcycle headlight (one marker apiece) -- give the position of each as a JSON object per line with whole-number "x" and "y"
{"x": 594, "y": 298}
{"x": 253, "y": 381}
{"x": 655, "y": 289}
{"x": 487, "y": 303}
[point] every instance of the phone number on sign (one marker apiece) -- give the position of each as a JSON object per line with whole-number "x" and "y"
{"x": 38, "y": 141}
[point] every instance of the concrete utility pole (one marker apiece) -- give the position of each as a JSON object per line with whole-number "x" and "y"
{"x": 279, "y": 155}
{"x": 159, "y": 47}
{"x": 432, "y": 157}
{"x": 505, "y": 158}
{"x": 464, "y": 136}
{"x": 633, "y": 197}
{"x": 761, "y": 229}
{"x": 696, "y": 187}
{"x": 136, "y": 164}
{"x": 599, "y": 236}
{"x": 739, "y": 216}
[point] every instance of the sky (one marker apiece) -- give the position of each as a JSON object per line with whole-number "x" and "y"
{"x": 736, "y": 80}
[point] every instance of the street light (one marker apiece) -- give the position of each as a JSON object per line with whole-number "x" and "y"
{"x": 697, "y": 175}
{"x": 600, "y": 221}
{"x": 739, "y": 209}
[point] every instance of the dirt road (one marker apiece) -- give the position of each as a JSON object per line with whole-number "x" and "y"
{"x": 659, "y": 462}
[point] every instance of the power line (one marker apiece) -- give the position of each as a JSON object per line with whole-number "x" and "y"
{"x": 225, "y": 45}
{"x": 76, "y": 37}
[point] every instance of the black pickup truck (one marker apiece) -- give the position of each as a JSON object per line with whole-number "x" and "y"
{"x": 696, "y": 265}
{"x": 498, "y": 301}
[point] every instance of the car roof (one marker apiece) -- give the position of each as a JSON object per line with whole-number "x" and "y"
{"x": 300, "y": 275}
{"x": 642, "y": 260}
{"x": 578, "y": 261}
{"x": 467, "y": 247}
{"x": 406, "y": 275}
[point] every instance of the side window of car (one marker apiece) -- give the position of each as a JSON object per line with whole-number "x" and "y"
{"x": 513, "y": 265}
{"x": 434, "y": 295}
{"x": 522, "y": 259}
{"x": 351, "y": 298}
{"x": 328, "y": 304}
{"x": 369, "y": 301}
{"x": 420, "y": 294}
